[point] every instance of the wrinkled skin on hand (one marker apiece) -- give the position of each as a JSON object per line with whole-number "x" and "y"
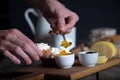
{"x": 13, "y": 42}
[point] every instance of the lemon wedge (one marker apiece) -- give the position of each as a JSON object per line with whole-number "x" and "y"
{"x": 102, "y": 59}
{"x": 104, "y": 48}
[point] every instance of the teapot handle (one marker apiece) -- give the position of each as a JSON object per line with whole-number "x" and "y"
{"x": 28, "y": 19}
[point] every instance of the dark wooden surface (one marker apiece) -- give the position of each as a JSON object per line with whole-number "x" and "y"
{"x": 107, "y": 71}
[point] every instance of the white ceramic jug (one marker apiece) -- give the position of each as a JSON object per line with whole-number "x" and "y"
{"x": 41, "y": 32}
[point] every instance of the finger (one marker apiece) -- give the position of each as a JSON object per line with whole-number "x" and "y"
{"x": 52, "y": 32}
{"x": 17, "y": 50}
{"x": 10, "y": 56}
{"x": 26, "y": 47}
{"x": 57, "y": 25}
{"x": 23, "y": 55}
{"x": 55, "y": 30}
{"x": 71, "y": 21}
{"x": 52, "y": 22}
{"x": 61, "y": 24}
{"x": 68, "y": 30}
{"x": 32, "y": 46}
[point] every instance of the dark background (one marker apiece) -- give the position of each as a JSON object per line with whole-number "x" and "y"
{"x": 92, "y": 13}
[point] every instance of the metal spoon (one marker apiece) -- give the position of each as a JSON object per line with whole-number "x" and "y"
{"x": 64, "y": 37}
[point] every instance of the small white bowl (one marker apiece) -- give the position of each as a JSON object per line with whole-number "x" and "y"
{"x": 88, "y": 58}
{"x": 65, "y": 61}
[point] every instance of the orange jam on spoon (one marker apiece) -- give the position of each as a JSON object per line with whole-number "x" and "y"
{"x": 65, "y": 43}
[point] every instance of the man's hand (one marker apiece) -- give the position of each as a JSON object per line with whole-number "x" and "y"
{"x": 13, "y": 43}
{"x": 61, "y": 19}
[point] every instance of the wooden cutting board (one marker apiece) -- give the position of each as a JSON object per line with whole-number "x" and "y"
{"x": 41, "y": 72}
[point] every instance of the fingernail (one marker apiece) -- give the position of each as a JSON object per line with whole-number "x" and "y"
{"x": 40, "y": 53}
{"x": 30, "y": 62}
{"x": 18, "y": 62}
{"x": 36, "y": 58}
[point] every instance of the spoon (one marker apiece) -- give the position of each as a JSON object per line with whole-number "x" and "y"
{"x": 64, "y": 37}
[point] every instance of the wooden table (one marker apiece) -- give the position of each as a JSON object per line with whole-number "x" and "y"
{"x": 40, "y": 72}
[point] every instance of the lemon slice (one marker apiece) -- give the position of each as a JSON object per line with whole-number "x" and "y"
{"x": 102, "y": 59}
{"x": 104, "y": 48}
